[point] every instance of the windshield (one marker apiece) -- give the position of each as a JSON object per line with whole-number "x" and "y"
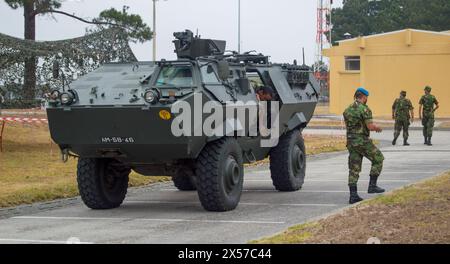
{"x": 175, "y": 76}
{"x": 208, "y": 74}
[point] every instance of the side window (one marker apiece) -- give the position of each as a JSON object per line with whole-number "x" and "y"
{"x": 352, "y": 63}
{"x": 255, "y": 80}
{"x": 209, "y": 75}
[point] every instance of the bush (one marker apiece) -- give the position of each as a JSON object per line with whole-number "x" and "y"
{"x": 21, "y": 104}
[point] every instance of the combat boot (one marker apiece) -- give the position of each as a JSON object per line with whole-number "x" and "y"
{"x": 354, "y": 197}
{"x": 405, "y": 143}
{"x": 426, "y": 141}
{"x": 394, "y": 142}
{"x": 429, "y": 141}
{"x": 373, "y": 188}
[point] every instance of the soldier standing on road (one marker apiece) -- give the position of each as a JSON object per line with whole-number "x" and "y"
{"x": 403, "y": 114}
{"x": 426, "y": 112}
{"x": 359, "y": 123}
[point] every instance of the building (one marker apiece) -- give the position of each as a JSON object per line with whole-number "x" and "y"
{"x": 387, "y": 63}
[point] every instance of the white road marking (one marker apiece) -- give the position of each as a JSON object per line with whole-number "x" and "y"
{"x": 345, "y": 171}
{"x": 267, "y": 190}
{"x": 297, "y": 205}
{"x": 12, "y": 240}
{"x": 332, "y": 180}
{"x": 242, "y": 203}
{"x": 143, "y": 219}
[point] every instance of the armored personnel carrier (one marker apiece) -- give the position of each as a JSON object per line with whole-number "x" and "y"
{"x": 124, "y": 117}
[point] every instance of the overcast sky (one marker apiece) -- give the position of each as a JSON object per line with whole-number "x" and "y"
{"x": 279, "y": 28}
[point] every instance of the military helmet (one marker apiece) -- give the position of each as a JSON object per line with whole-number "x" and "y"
{"x": 427, "y": 88}
{"x": 403, "y": 93}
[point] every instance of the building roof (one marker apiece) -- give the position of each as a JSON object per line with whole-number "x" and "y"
{"x": 444, "y": 33}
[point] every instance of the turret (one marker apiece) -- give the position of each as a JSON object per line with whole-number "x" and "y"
{"x": 188, "y": 46}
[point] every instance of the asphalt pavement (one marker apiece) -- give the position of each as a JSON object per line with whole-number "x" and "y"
{"x": 161, "y": 214}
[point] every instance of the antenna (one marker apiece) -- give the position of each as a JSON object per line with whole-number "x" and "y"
{"x": 323, "y": 37}
{"x": 323, "y": 41}
{"x": 303, "y": 49}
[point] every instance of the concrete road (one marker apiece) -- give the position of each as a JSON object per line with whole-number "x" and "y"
{"x": 161, "y": 214}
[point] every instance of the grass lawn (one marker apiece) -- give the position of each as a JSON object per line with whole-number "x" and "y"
{"x": 31, "y": 169}
{"x": 418, "y": 213}
{"x": 322, "y": 144}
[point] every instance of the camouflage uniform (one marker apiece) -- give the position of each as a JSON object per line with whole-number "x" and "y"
{"x": 357, "y": 116}
{"x": 428, "y": 102}
{"x": 402, "y": 108}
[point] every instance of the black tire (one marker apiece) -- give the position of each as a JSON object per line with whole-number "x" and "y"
{"x": 184, "y": 180}
{"x": 220, "y": 175}
{"x": 288, "y": 162}
{"x": 102, "y": 183}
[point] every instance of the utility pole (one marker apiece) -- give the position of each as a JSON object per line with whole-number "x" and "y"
{"x": 239, "y": 26}
{"x": 154, "y": 30}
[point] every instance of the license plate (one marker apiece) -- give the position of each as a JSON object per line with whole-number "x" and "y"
{"x": 117, "y": 140}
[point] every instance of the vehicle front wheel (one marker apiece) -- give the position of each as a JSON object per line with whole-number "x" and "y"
{"x": 220, "y": 175}
{"x": 102, "y": 183}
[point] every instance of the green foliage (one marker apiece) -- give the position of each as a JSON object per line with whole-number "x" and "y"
{"x": 107, "y": 42}
{"x": 136, "y": 29}
{"x": 367, "y": 17}
{"x": 38, "y": 4}
{"x": 22, "y": 104}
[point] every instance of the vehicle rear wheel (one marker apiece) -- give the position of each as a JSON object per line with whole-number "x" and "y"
{"x": 220, "y": 175}
{"x": 102, "y": 183}
{"x": 288, "y": 162}
{"x": 184, "y": 180}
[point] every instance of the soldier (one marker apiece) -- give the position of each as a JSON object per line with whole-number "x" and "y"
{"x": 426, "y": 114}
{"x": 358, "y": 120}
{"x": 267, "y": 94}
{"x": 403, "y": 114}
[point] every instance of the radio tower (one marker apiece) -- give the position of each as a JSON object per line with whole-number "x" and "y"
{"x": 323, "y": 41}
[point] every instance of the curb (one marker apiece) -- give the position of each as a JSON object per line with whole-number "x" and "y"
{"x": 387, "y": 128}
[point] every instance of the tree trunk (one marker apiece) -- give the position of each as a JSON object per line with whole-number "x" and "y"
{"x": 29, "y": 88}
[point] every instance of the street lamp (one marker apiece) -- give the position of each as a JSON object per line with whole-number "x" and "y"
{"x": 154, "y": 29}
{"x": 239, "y": 26}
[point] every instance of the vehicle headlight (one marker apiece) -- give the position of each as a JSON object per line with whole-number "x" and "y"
{"x": 66, "y": 98}
{"x": 54, "y": 95}
{"x": 151, "y": 97}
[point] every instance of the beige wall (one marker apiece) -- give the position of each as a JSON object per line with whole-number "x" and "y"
{"x": 407, "y": 60}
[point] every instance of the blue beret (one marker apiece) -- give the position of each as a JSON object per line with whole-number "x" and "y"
{"x": 363, "y": 91}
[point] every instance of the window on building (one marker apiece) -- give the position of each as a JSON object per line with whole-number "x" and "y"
{"x": 352, "y": 63}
